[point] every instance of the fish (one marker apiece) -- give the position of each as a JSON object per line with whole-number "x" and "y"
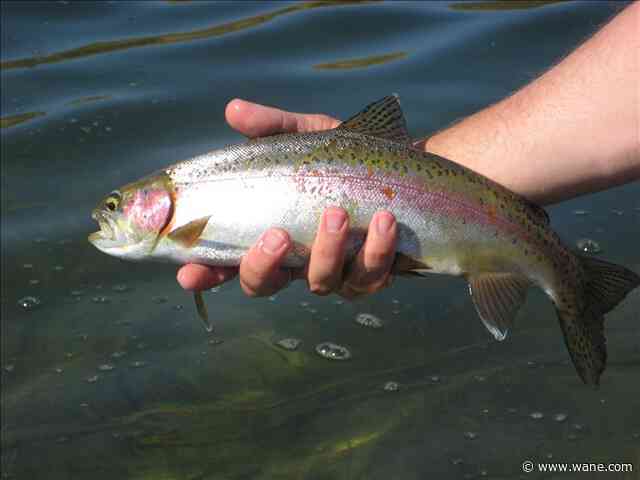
{"x": 212, "y": 208}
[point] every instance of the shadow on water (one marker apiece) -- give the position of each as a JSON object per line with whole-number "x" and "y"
{"x": 106, "y": 371}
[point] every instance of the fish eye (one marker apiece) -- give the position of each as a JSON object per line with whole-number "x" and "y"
{"x": 112, "y": 201}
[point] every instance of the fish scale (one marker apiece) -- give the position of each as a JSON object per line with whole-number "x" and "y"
{"x": 450, "y": 220}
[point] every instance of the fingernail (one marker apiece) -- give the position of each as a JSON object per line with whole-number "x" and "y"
{"x": 272, "y": 242}
{"x": 384, "y": 223}
{"x": 335, "y": 220}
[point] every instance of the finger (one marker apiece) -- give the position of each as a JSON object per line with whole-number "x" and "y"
{"x": 254, "y": 120}
{"x": 260, "y": 272}
{"x": 371, "y": 268}
{"x": 327, "y": 254}
{"x": 201, "y": 277}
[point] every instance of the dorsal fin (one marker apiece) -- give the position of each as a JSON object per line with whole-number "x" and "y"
{"x": 383, "y": 119}
{"x": 539, "y": 213}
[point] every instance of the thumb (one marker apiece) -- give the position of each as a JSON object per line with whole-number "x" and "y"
{"x": 255, "y": 120}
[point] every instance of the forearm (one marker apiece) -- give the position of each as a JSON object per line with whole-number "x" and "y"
{"x": 574, "y": 130}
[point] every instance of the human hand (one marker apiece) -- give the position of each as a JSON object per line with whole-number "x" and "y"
{"x": 260, "y": 269}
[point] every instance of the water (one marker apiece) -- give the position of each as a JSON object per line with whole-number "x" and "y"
{"x": 98, "y": 94}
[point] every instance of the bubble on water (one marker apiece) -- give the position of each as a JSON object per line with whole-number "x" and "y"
{"x": 587, "y": 245}
{"x": 536, "y": 415}
{"x": 313, "y": 311}
{"x": 480, "y": 378}
{"x": 435, "y": 379}
{"x": 214, "y": 289}
{"x": 107, "y": 129}
{"x": 68, "y": 355}
{"x": 83, "y": 336}
{"x": 391, "y": 387}
{"x": 93, "y": 379}
{"x": 118, "y": 354}
{"x": 549, "y": 456}
{"x": 100, "y": 299}
{"x": 27, "y": 266}
{"x": 159, "y": 299}
{"x": 106, "y": 367}
{"x": 141, "y": 346}
{"x": 485, "y": 411}
{"x": 34, "y": 282}
{"x": 58, "y": 370}
{"x": 84, "y": 405}
{"x": 304, "y": 304}
{"x": 368, "y": 320}
{"x": 29, "y": 302}
{"x": 572, "y": 437}
{"x": 457, "y": 461}
{"x": 120, "y": 287}
{"x": 395, "y": 301}
{"x": 138, "y": 364}
{"x": 178, "y": 308}
{"x": 470, "y": 435}
{"x": 289, "y": 343}
{"x": 484, "y": 473}
{"x": 58, "y": 268}
{"x": 215, "y": 341}
{"x": 580, "y": 212}
{"x": 396, "y": 312}
{"x": 578, "y": 427}
{"x": 560, "y": 417}
{"x": 62, "y": 439}
{"x": 76, "y": 293}
{"x": 339, "y": 302}
{"x": 9, "y": 368}
{"x": 617, "y": 212}
{"x": 272, "y": 298}
{"x": 333, "y": 351}
{"x": 73, "y": 120}
{"x": 512, "y": 410}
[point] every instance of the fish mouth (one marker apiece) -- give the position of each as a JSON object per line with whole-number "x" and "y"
{"x": 107, "y": 230}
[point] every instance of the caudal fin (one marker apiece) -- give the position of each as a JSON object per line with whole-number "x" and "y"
{"x": 606, "y": 285}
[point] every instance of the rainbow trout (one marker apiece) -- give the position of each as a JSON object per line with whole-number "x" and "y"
{"x": 212, "y": 208}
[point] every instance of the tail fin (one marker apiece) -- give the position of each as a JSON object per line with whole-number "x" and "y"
{"x": 606, "y": 285}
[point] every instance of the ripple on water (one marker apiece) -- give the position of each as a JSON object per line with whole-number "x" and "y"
{"x": 29, "y": 302}
{"x": 368, "y": 320}
{"x": 289, "y": 343}
{"x": 100, "y": 299}
{"x": 120, "y": 288}
{"x": 536, "y": 415}
{"x": 93, "y": 379}
{"x": 587, "y": 245}
{"x": 106, "y": 367}
{"x": 560, "y": 417}
{"x": 391, "y": 387}
{"x": 470, "y": 435}
{"x": 138, "y": 364}
{"x": 333, "y": 351}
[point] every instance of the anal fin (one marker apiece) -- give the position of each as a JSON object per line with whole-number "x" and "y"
{"x": 497, "y": 298}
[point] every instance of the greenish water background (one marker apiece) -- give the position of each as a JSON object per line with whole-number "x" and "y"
{"x": 96, "y": 94}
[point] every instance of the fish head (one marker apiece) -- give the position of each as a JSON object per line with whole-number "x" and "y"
{"x": 133, "y": 218}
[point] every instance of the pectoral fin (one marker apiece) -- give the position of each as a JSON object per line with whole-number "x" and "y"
{"x": 498, "y": 297}
{"x": 189, "y": 234}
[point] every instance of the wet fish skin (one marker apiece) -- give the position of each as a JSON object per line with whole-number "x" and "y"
{"x": 450, "y": 220}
